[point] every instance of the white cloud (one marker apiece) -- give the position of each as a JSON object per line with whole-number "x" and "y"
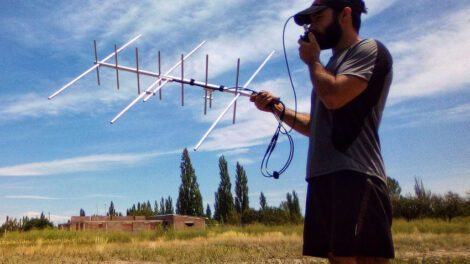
{"x": 31, "y": 197}
{"x": 53, "y": 218}
{"x": 235, "y": 152}
{"x": 436, "y": 61}
{"x": 417, "y": 117}
{"x": 244, "y": 160}
{"x": 56, "y": 219}
{"x": 253, "y": 127}
{"x": 374, "y": 7}
{"x": 79, "y": 98}
{"x": 104, "y": 196}
{"x": 274, "y": 198}
{"x": 228, "y": 40}
{"x": 80, "y": 164}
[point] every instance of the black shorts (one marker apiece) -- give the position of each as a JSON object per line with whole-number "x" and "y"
{"x": 348, "y": 214}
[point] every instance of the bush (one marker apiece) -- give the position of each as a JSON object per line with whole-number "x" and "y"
{"x": 37, "y": 223}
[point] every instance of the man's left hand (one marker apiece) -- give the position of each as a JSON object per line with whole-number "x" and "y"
{"x": 309, "y": 52}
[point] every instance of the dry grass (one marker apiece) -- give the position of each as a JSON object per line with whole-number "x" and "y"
{"x": 253, "y": 244}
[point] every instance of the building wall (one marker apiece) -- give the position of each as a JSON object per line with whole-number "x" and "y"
{"x": 115, "y": 223}
{"x": 181, "y": 221}
{"x": 133, "y": 223}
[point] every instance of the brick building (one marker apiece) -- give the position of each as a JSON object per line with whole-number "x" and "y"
{"x": 178, "y": 222}
{"x": 133, "y": 224}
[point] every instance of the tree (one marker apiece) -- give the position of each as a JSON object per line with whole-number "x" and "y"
{"x": 189, "y": 198}
{"x": 162, "y": 207}
{"x": 262, "y": 202}
{"x": 453, "y": 205}
{"x": 410, "y": 207}
{"x": 296, "y": 205}
{"x": 241, "y": 190}
{"x": 423, "y": 199}
{"x": 12, "y": 225}
{"x": 394, "y": 188}
{"x": 82, "y": 212}
{"x": 145, "y": 210}
{"x": 169, "y": 209}
{"x": 292, "y": 207}
{"x": 111, "y": 210}
{"x": 420, "y": 191}
{"x": 37, "y": 223}
{"x": 155, "y": 208}
{"x": 223, "y": 197}
{"x": 208, "y": 211}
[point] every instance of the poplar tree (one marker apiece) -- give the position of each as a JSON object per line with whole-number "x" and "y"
{"x": 208, "y": 212}
{"x": 241, "y": 190}
{"x": 262, "y": 201}
{"x": 292, "y": 207}
{"x": 155, "y": 209}
{"x": 162, "y": 207}
{"x": 169, "y": 209}
{"x": 296, "y": 205}
{"x": 189, "y": 198}
{"x": 223, "y": 197}
{"x": 111, "y": 210}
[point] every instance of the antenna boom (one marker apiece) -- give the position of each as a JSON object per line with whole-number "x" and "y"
{"x": 93, "y": 67}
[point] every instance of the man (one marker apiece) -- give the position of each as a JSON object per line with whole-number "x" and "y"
{"x": 348, "y": 212}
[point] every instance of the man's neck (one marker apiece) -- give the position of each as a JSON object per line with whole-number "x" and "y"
{"x": 346, "y": 41}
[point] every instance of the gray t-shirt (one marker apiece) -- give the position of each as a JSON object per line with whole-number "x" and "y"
{"x": 347, "y": 138}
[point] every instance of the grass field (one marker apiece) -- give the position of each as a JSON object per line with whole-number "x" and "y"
{"x": 423, "y": 241}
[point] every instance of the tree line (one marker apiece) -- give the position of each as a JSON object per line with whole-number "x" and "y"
{"x": 25, "y": 224}
{"x": 236, "y": 210}
{"x": 424, "y": 204}
{"x": 227, "y": 208}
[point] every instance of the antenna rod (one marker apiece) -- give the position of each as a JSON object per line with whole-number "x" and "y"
{"x": 205, "y": 90}
{"x": 151, "y": 86}
{"x": 160, "y": 72}
{"x": 232, "y": 102}
{"x": 168, "y": 72}
{"x": 236, "y": 89}
{"x": 117, "y": 71}
{"x": 138, "y": 74}
{"x": 182, "y": 78}
{"x": 96, "y": 61}
{"x": 92, "y": 68}
{"x": 168, "y": 78}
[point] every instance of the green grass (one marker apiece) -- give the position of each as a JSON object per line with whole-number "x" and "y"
{"x": 432, "y": 226}
{"x": 421, "y": 241}
{"x": 51, "y": 236}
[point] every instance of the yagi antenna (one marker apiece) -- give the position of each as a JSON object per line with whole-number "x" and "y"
{"x": 163, "y": 79}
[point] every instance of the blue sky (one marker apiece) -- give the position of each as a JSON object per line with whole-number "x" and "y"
{"x": 62, "y": 155}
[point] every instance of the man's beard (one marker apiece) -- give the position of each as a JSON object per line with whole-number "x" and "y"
{"x": 331, "y": 37}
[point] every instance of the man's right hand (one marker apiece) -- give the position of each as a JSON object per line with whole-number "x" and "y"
{"x": 264, "y": 100}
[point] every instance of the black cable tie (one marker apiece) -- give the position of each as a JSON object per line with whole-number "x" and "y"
{"x": 276, "y": 175}
{"x": 192, "y": 82}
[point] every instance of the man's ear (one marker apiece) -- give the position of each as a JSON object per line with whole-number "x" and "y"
{"x": 345, "y": 16}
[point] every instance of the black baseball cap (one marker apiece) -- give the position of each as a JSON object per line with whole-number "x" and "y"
{"x": 303, "y": 17}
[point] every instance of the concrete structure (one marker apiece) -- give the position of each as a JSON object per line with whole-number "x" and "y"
{"x": 107, "y": 223}
{"x": 179, "y": 222}
{"x": 133, "y": 224}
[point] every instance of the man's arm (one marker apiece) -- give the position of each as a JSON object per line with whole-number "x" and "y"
{"x": 264, "y": 101}
{"x": 333, "y": 91}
